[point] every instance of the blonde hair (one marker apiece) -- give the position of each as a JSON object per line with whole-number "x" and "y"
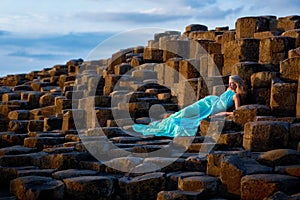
{"x": 241, "y": 87}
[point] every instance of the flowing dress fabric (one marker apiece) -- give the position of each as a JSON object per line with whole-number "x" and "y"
{"x": 186, "y": 121}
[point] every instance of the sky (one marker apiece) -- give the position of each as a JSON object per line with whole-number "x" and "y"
{"x": 40, "y": 34}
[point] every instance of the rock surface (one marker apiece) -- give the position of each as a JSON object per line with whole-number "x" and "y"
{"x": 65, "y": 131}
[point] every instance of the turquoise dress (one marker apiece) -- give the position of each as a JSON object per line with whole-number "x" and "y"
{"x": 186, "y": 121}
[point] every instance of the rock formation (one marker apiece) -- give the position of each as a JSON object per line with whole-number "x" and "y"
{"x": 54, "y": 121}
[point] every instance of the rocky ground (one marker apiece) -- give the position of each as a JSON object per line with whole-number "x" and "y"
{"x": 66, "y": 130}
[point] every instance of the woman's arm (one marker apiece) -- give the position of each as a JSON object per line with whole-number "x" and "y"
{"x": 222, "y": 114}
{"x": 237, "y": 100}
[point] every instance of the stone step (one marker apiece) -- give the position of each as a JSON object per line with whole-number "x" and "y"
{"x": 216, "y": 126}
{"x": 41, "y": 142}
{"x": 15, "y": 150}
{"x": 58, "y": 150}
{"x": 125, "y": 140}
{"x": 205, "y": 183}
{"x": 234, "y": 168}
{"x": 18, "y": 115}
{"x": 21, "y": 159}
{"x": 153, "y": 141}
{"x": 201, "y": 147}
{"x": 22, "y": 88}
{"x": 141, "y": 187}
{"x": 11, "y": 96}
{"x": 229, "y": 139}
{"x": 18, "y": 126}
{"x": 52, "y": 123}
{"x": 265, "y": 135}
{"x": 214, "y": 160}
{"x": 71, "y": 173}
{"x": 9, "y": 173}
{"x": 12, "y": 138}
{"x": 47, "y": 111}
{"x": 6, "y": 107}
{"x": 35, "y": 172}
{"x": 32, "y": 97}
{"x": 47, "y": 134}
{"x": 193, "y": 163}
{"x": 92, "y": 165}
{"x": 35, "y": 125}
{"x": 89, "y": 187}
{"x": 292, "y": 170}
{"x": 61, "y": 161}
{"x": 38, "y": 187}
{"x": 173, "y": 177}
{"x": 178, "y": 194}
{"x": 119, "y": 122}
{"x": 4, "y": 124}
{"x": 279, "y": 157}
{"x": 147, "y": 148}
{"x": 164, "y": 164}
{"x": 259, "y": 186}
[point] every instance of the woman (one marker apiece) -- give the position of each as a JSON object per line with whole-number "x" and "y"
{"x": 186, "y": 121}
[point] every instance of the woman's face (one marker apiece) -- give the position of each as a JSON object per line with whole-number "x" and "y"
{"x": 232, "y": 85}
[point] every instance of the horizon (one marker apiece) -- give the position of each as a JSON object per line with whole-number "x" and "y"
{"x": 36, "y": 35}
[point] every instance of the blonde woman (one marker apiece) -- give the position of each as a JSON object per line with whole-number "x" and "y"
{"x": 186, "y": 121}
{"x": 236, "y": 84}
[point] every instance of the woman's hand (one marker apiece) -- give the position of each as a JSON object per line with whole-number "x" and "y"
{"x": 221, "y": 114}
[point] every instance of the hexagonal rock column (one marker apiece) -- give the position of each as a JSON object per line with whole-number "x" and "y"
{"x": 89, "y": 187}
{"x": 272, "y": 50}
{"x": 198, "y": 183}
{"x": 283, "y": 99}
{"x": 259, "y": 186}
{"x": 289, "y": 22}
{"x": 240, "y": 50}
{"x": 246, "y": 69}
{"x": 214, "y": 161}
{"x": 71, "y": 173}
{"x": 247, "y": 113}
{"x": 142, "y": 187}
{"x": 294, "y": 53}
{"x": 265, "y": 135}
{"x": 294, "y": 136}
{"x": 290, "y": 68}
{"x": 247, "y": 26}
{"x": 233, "y": 168}
{"x": 293, "y": 34}
{"x": 176, "y": 48}
{"x": 178, "y": 194}
{"x": 280, "y": 157}
{"x": 37, "y": 187}
{"x": 261, "y": 86}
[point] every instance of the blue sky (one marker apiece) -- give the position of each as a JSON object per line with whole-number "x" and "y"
{"x": 39, "y": 34}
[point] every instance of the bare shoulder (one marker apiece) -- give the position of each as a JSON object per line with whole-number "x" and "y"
{"x": 237, "y": 95}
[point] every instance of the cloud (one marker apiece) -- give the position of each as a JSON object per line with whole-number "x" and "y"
{"x": 26, "y": 54}
{"x": 4, "y": 33}
{"x": 178, "y": 13}
{"x": 215, "y": 12}
{"x": 147, "y": 16}
{"x": 197, "y": 3}
{"x": 49, "y": 32}
{"x": 71, "y": 41}
{"x": 92, "y": 17}
{"x": 276, "y": 7}
{"x": 21, "y": 53}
